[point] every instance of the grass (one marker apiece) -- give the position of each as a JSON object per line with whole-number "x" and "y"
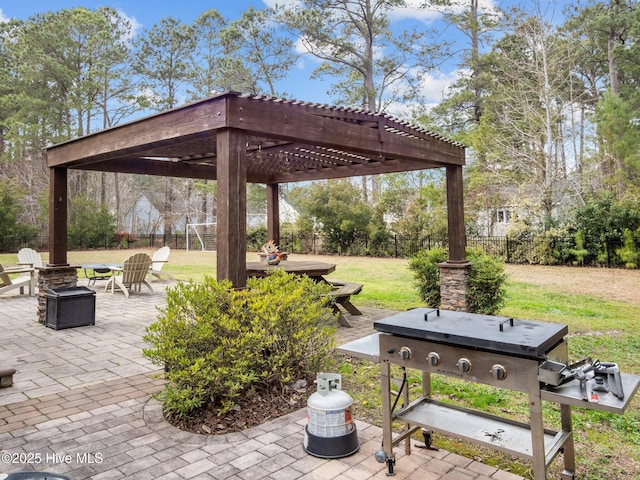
{"x": 607, "y": 445}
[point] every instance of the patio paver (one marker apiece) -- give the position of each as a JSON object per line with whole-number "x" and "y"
{"x": 81, "y": 406}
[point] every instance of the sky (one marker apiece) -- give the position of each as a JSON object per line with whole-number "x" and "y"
{"x": 145, "y": 13}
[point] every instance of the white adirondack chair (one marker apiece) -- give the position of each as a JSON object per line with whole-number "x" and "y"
{"x": 133, "y": 274}
{"x": 28, "y": 256}
{"x": 7, "y": 283}
{"x": 160, "y": 257}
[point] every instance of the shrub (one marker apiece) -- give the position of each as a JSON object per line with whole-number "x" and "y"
{"x": 256, "y": 237}
{"x": 486, "y": 292}
{"x": 629, "y": 253}
{"x": 579, "y": 253}
{"x": 89, "y": 227}
{"x": 427, "y": 274}
{"x": 217, "y": 343}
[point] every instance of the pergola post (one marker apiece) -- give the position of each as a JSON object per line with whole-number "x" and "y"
{"x": 57, "y": 273}
{"x": 455, "y": 214}
{"x": 231, "y": 172}
{"x": 273, "y": 213}
{"x": 454, "y": 273}
{"x": 58, "y": 216}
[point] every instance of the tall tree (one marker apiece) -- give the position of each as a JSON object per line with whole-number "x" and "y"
{"x": 205, "y": 79}
{"x": 162, "y": 61}
{"x": 611, "y": 29}
{"x": 61, "y": 64}
{"x": 206, "y": 58}
{"x": 114, "y": 98}
{"x": 371, "y": 67}
{"x": 478, "y": 25}
{"x": 258, "y": 54}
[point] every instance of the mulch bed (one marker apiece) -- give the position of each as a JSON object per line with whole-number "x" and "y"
{"x": 254, "y": 409}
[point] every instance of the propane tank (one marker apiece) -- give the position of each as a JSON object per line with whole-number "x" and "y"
{"x": 330, "y": 430}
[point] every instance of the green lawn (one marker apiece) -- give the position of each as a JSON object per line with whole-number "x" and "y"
{"x": 607, "y": 445}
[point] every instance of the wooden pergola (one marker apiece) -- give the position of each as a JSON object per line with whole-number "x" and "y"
{"x": 235, "y": 139}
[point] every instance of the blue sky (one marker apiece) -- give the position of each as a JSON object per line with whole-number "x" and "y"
{"x": 145, "y": 13}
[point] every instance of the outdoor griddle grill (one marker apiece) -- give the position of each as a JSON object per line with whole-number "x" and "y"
{"x": 503, "y": 352}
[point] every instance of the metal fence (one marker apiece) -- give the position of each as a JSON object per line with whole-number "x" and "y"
{"x": 530, "y": 250}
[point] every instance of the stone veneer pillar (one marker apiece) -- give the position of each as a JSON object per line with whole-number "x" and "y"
{"x": 53, "y": 277}
{"x": 454, "y": 286}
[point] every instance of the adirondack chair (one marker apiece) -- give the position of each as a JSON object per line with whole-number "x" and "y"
{"x": 7, "y": 283}
{"x": 160, "y": 257}
{"x": 133, "y": 274}
{"x": 28, "y": 256}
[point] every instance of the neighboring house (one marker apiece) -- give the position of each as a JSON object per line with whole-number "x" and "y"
{"x": 512, "y": 204}
{"x": 145, "y": 216}
{"x": 496, "y": 221}
{"x": 288, "y": 214}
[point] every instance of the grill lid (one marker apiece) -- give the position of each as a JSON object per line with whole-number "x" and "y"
{"x": 523, "y": 338}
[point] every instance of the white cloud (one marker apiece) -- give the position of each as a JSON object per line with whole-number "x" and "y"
{"x": 281, "y": 3}
{"x": 414, "y": 11}
{"x": 434, "y": 85}
{"x": 3, "y": 17}
{"x": 136, "y": 27}
{"x": 433, "y": 88}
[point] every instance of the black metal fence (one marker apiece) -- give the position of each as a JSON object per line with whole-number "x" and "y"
{"x": 530, "y": 250}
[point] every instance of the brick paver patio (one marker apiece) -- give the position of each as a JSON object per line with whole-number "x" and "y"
{"x": 81, "y": 406}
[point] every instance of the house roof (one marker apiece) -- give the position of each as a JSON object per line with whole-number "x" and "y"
{"x": 286, "y": 141}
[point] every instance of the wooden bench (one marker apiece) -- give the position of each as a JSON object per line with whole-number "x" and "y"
{"x": 341, "y": 292}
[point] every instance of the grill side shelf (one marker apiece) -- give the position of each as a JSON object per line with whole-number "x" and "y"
{"x": 569, "y": 394}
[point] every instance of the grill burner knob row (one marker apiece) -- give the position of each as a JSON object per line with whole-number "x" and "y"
{"x": 498, "y": 372}
{"x": 434, "y": 359}
{"x": 464, "y": 365}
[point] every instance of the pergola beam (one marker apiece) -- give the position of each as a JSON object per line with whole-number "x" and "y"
{"x": 288, "y": 124}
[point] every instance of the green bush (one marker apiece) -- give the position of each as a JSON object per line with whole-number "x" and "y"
{"x": 217, "y": 343}
{"x": 486, "y": 292}
{"x": 427, "y": 274}
{"x": 629, "y": 253}
{"x": 88, "y": 226}
{"x": 256, "y": 237}
{"x": 14, "y": 233}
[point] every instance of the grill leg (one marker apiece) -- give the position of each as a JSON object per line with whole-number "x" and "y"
{"x": 387, "y": 432}
{"x": 537, "y": 437}
{"x": 568, "y": 450}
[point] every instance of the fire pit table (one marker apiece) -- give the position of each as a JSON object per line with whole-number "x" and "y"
{"x": 99, "y": 271}
{"x": 502, "y": 352}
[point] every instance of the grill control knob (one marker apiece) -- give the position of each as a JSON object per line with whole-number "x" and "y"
{"x": 434, "y": 359}
{"x": 405, "y": 353}
{"x": 498, "y": 372}
{"x": 464, "y": 365}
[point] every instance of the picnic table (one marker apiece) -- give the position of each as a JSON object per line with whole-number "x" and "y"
{"x": 315, "y": 270}
{"x": 341, "y": 292}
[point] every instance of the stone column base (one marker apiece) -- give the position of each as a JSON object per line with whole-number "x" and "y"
{"x": 61, "y": 276}
{"x": 454, "y": 283}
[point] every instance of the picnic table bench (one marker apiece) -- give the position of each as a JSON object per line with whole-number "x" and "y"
{"x": 342, "y": 291}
